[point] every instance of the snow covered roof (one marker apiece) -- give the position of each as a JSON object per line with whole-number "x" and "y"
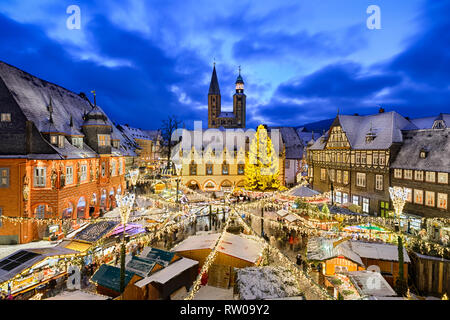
{"x": 378, "y": 251}
{"x": 370, "y": 283}
{"x": 292, "y": 142}
{"x": 38, "y": 99}
{"x": 435, "y": 142}
{"x": 136, "y": 133}
{"x": 233, "y": 245}
{"x": 164, "y": 275}
{"x": 427, "y": 122}
{"x": 320, "y": 249}
{"x": 387, "y": 127}
{"x": 257, "y": 283}
{"x": 282, "y": 213}
{"x": 291, "y": 217}
{"x": 303, "y": 192}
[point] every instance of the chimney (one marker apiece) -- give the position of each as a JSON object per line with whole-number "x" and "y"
{"x": 381, "y": 110}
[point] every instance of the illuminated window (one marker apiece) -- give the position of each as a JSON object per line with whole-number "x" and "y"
{"x": 225, "y": 169}
{"x": 209, "y": 170}
{"x": 442, "y": 177}
{"x": 398, "y": 173}
{"x": 241, "y": 169}
{"x": 408, "y": 194}
{"x": 6, "y": 117}
{"x": 375, "y": 158}
{"x": 365, "y": 205}
{"x": 430, "y": 176}
{"x": 4, "y": 177}
{"x": 355, "y": 200}
{"x": 418, "y": 175}
{"x": 113, "y": 168}
{"x": 429, "y": 198}
{"x": 83, "y": 176}
{"x": 345, "y": 179}
{"x": 408, "y": 174}
{"x": 442, "y": 200}
{"x": 193, "y": 169}
{"x": 360, "y": 179}
{"x": 338, "y": 197}
{"x": 339, "y": 176}
{"x": 104, "y": 140}
{"x": 382, "y": 159}
{"x": 323, "y": 174}
{"x": 418, "y": 196}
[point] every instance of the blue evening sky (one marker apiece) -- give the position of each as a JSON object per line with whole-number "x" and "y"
{"x": 301, "y": 60}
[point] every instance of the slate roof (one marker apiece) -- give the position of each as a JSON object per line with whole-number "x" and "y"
{"x": 436, "y": 142}
{"x": 427, "y": 122}
{"x": 136, "y": 133}
{"x": 292, "y": 142}
{"x": 387, "y": 126}
{"x": 214, "y": 85}
{"x": 36, "y": 97}
{"x": 109, "y": 277}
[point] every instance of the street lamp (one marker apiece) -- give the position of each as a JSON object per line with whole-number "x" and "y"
{"x": 125, "y": 204}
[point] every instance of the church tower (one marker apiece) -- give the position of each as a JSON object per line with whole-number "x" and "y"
{"x": 214, "y": 100}
{"x": 239, "y": 102}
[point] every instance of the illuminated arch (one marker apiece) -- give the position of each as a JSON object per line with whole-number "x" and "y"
{"x": 193, "y": 184}
{"x": 209, "y": 185}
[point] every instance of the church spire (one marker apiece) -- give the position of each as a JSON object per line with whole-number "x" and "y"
{"x": 214, "y": 85}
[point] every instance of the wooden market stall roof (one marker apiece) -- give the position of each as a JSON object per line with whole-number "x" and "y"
{"x": 233, "y": 245}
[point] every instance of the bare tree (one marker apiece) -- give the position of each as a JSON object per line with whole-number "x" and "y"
{"x": 167, "y": 128}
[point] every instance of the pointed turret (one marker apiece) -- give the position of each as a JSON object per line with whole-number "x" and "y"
{"x": 214, "y": 85}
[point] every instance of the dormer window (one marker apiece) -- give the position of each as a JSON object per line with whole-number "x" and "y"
{"x": 60, "y": 141}
{"x": 6, "y": 117}
{"x": 77, "y": 142}
{"x": 423, "y": 154}
{"x": 116, "y": 144}
{"x": 104, "y": 140}
{"x": 54, "y": 140}
{"x": 439, "y": 124}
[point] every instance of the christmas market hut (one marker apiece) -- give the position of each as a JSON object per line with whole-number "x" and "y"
{"x": 107, "y": 280}
{"x": 27, "y": 269}
{"x": 234, "y": 251}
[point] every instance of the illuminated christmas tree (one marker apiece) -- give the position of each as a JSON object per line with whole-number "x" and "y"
{"x": 262, "y": 163}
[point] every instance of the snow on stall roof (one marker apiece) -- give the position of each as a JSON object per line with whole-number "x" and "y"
{"x": 233, "y": 245}
{"x": 291, "y": 217}
{"x": 258, "y": 283}
{"x": 422, "y": 256}
{"x": 320, "y": 249}
{"x": 379, "y": 251}
{"x": 371, "y": 283}
{"x": 435, "y": 142}
{"x": 303, "y": 191}
{"x": 78, "y": 295}
{"x": 282, "y": 213}
{"x": 169, "y": 272}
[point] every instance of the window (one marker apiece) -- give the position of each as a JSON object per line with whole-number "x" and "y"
{"x": 384, "y": 208}
{"x": 407, "y": 174}
{"x": 418, "y": 196}
{"x": 442, "y": 200}
{"x": 355, "y": 200}
{"x": 83, "y": 175}
{"x": 53, "y": 139}
{"x": 408, "y": 194}
{"x": 398, "y": 173}
{"x": 365, "y": 205}
{"x": 193, "y": 169}
{"x": 422, "y": 154}
{"x": 344, "y": 197}
{"x": 241, "y": 169}
{"x": 104, "y": 140}
{"x": 116, "y": 144}
{"x": 209, "y": 169}
{"x": 418, "y": 175}
{"x": 4, "y": 177}
{"x": 338, "y": 197}
{"x": 430, "y": 176}
{"x": 69, "y": 175}
{"x": 77, "y": 142}
{"x": 40, "y": 212}
{"x": 442, "y": 177}
{"x": 382, "y": 159}
{"x": 360, "y": 179}
{"x": 358, "y": 158}
{"x": 331, "y": 172}
{"x": 120, "y": 167}
{"x": 363, "y": 158}
{"x": 429, "y": 198}
{"x": 345, "y": 178}
{"x": 379, "y": 182}
{"x": 339, "y": 176}
{"x": 323, "y": 174}
{"x": 113, "y": 168}
{"x": 375, "y": 158}
{"x": 39, "y": 176}
{"x": 225, "y": 169}
{"x": 6, "y": 117}
{"x": 60, "y": 141}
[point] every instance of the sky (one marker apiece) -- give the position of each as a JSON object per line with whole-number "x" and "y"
{"x": 302, "y": 61}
